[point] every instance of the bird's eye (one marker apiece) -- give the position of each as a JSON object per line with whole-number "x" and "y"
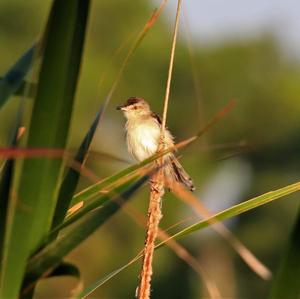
{"x": 135, "y": 107}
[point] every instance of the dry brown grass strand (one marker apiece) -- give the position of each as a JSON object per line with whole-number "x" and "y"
{"x": 171, "y": 64}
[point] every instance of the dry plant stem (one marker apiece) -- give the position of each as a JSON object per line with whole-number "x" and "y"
{"x": 154, "y": 216}
{"x": 167, "y": 95}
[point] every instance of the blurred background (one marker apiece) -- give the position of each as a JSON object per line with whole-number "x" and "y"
{"x": 248, "y": 52}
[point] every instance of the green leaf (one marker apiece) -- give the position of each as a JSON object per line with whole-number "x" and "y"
{"x": 238, "y": 209}
{"x": 13, "y": 79}
{"x": 226, "y": 214}
{"x": 70, "y": 181}
{"x": 31, "y": 211}
{"x": 51, "y": 255}
{"x": 286, "y": 285}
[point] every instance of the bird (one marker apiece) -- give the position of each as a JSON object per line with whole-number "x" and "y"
{"x": 143, "y": 134}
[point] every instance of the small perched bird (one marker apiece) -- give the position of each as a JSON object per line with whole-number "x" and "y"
{"x": 143, "y": 130}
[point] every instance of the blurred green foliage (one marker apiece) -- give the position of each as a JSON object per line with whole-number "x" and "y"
{"x": 263, "y": 81}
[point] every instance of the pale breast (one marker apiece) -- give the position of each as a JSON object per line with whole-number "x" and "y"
{"x": 142, "y": 139}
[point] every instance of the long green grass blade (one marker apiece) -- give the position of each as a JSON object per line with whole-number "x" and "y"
{"x": 71, "y": 178}
{"x": 226, "y": 214}
{"x": 238, "y": 209}
{"x": 51, "y": 255}
{"x": 14, "y": 77}
{"x": 286, "y": 285}
{"x": 31, "y": 211}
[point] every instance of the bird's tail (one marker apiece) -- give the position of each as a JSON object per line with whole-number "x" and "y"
{"x": 174, "y": 171}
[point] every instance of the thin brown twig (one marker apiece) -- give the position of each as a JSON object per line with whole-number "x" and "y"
{"x": 167, "y": 95}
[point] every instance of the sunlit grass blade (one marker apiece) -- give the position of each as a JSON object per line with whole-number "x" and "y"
{"x": 226, "y": 214}
{"x": 51, "y": 255}
{"x": 13, "y": 79}
{"x": 71, "y": 178}
{"x": 286, "y": 285}
{"x": 32, "y": 208}
{"x": 248, "y": 257}
{"x": 238, "y": 209}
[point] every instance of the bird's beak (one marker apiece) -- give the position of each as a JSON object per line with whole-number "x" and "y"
{"x": 121, "y": 107}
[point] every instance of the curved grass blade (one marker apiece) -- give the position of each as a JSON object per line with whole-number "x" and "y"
{"x": 71, "y": 178}
{"x": 286, "y": 285}
{"x": 238, "y": 209}
{"x": 51, "y": 255}
{"x": 32, "y": 208}
{"x": 226, "y": 214}
{"x": 13, "y": 79}
{"x": 247, "y": 256}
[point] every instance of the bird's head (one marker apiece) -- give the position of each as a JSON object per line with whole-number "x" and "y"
{"x": 135, "y": 107}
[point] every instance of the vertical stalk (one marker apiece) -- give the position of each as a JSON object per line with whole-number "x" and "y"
{"x": 157, "y": 187}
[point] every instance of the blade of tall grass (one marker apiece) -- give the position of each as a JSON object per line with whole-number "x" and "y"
{"x": 238, "y": 209}
{"x": 32, "y": 208}
{"x": 51, "y": 255}
{"x": 71, "y": 178}
{"x": 14, "y": 77}
{"x": 247, "y": 256}
{"x": 286, "y": 285}
{"x": 226, "y": 214}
